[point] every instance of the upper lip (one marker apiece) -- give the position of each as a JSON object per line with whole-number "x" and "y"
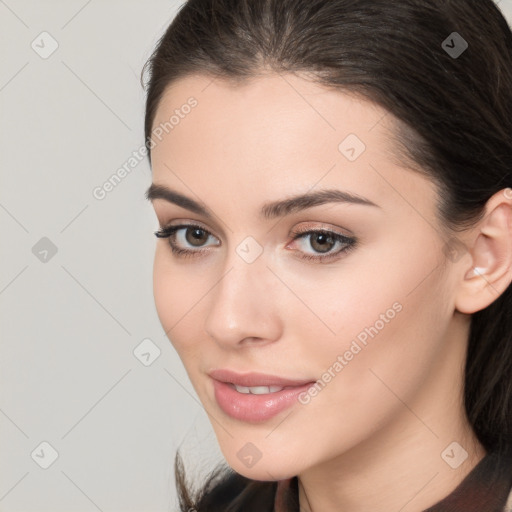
{"x": 254, "y": 379}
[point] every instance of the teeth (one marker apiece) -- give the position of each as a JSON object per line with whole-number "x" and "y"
{"x": 258, "y": 390}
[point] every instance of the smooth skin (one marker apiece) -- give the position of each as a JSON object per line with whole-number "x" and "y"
{"x": 372, "y": 438}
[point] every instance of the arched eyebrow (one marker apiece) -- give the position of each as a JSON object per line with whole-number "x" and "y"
{"x": 269, "y": 210}
{"x": 303, "y": 201}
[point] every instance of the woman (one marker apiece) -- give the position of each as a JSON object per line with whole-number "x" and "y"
{"x": 332, "y": 183}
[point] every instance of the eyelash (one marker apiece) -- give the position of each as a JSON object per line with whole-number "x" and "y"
{"x": 350, "y": 243}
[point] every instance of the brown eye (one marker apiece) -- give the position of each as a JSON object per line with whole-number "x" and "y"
{"x": 187, "y": 239}
{"x": 322, "y": 242}
{"x": 196, "y": 236}
{"x": 322, "y": 245}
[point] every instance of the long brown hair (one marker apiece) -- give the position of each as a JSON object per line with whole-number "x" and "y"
{"x": 454, "y": 124}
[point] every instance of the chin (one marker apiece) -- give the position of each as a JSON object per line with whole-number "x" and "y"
{"x": 267, "y": 468}
{"x": 267, "y": 472}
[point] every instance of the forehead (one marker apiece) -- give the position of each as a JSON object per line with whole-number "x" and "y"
{"x": 282, "y": 131}
{"x": 268, "y": 105}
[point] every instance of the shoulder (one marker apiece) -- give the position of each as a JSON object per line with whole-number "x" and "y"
{"x": 508, "y": 505}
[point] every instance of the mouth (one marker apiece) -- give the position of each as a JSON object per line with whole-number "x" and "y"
{"x": 255, "y": 397}
{"x": 259, "y": 390}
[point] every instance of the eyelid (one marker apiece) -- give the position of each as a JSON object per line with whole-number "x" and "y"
{"x": 338, "y": 237}
{"x": 307, "y": 227}
{"x": 169, "y": 216}
{"x": 320, "y": 226}
{"x": 170, "y": 229}
{"x": 184, "y": 222}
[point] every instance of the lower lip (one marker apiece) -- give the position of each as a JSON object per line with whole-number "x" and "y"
{"x": 255, "y": 408}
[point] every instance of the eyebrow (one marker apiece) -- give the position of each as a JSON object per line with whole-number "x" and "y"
{"x": 269, "y": 210}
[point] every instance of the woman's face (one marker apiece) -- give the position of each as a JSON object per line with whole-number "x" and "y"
{"x": 366, "y": 314}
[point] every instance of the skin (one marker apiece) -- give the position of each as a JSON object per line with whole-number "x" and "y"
{"x": 372, "y": 439}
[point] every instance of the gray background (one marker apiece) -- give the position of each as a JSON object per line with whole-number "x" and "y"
{"x": 72, "y": 319}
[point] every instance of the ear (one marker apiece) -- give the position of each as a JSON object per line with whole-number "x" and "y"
{"x": 489, "y": 272}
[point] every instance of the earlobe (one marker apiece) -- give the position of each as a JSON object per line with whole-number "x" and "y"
{"x": 490, "y": 271}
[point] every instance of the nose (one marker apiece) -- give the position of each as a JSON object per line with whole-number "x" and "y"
{"x": 243, "y": 306}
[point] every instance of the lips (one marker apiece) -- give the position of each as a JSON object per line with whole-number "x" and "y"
{"x": 255, "y": 379}
{"x": 255, "y": 397}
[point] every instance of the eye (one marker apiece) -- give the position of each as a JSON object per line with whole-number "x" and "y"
{"x": 184, "y": 237}
{"x": 186, "y": 240}
{"x": 323, "y": 242}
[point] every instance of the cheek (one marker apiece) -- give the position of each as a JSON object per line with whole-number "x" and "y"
{"x": 388, "y": 315}
{"x": 163, "y": 290}
{"x": 175, "y": 297}
{"x": 379, "y": 374}
{"x": 341, "y": 303}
